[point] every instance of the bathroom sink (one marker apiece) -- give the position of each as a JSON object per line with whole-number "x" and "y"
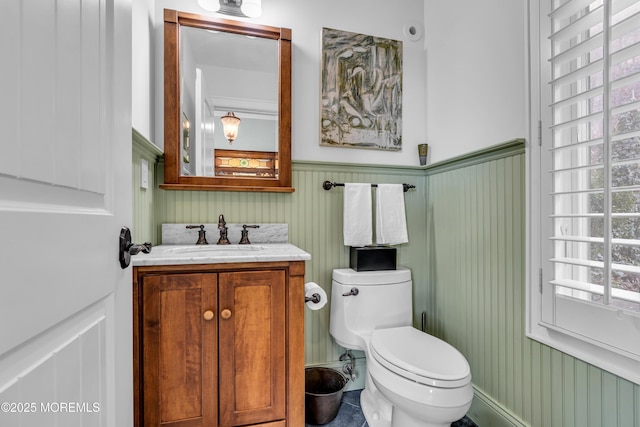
{"x": 208, "y": 249}
{"x": 213, "y": 254}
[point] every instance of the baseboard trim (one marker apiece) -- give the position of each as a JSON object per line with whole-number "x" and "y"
{"x": 486, "y": 412}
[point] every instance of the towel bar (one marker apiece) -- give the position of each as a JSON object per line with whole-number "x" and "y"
{"x": 328, "y": 185}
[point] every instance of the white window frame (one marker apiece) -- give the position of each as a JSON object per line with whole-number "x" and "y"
{"x": 538, "y": 275}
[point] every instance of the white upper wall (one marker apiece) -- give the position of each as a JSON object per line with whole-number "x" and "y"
{"x": 476, "y": 74}
{"x": 464, "y": 92}
{"x": 143, "y": 63}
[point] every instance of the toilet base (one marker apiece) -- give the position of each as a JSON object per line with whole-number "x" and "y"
{"x": 376, "y": 409}
{"x": 410, "y": 413}
{"x": 403, "y": 419}
{"x": 379, "y": 412}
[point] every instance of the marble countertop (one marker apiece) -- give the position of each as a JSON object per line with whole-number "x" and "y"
{"x": 216, "y": 254}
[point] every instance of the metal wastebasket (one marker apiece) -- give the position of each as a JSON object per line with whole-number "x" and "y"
{"x": 323, "y": 394}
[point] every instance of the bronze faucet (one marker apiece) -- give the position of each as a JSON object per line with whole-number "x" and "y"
{"x": 245, "y": 234}
{"x": 202, "y": 240}
{"x": 222, "y": 226}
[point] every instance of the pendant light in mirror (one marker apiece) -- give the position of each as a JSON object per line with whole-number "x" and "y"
{"x": 230, "y": 124}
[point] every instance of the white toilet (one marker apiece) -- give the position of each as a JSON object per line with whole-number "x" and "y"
{"x": 413, "y": 379}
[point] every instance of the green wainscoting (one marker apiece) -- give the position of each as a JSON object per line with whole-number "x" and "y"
{"x": 143, "y": 228}
{"x": 476, "y": 256}
{"x": 466, "y": 221}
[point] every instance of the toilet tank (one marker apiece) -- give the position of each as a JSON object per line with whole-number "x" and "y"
{"x": 383, "y": 300}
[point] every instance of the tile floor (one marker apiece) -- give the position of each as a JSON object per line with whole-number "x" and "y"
{"x": 350, "y": 414}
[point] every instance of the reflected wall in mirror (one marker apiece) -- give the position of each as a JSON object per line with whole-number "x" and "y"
{"x": 214, "y": 67}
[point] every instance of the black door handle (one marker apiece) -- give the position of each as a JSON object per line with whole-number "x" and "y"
{"x": 127, "y": 248}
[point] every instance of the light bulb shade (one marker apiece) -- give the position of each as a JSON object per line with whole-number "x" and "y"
{"x": 210, "y": 5}
{"x": 251, "y": 8}
{"x": 230, "y": 125}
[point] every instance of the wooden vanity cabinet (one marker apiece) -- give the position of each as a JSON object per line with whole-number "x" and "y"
{"x": 219, "y": 345}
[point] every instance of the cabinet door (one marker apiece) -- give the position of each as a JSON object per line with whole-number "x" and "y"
{"x": 252, "y": 347}
{"x": 179, "y": 348}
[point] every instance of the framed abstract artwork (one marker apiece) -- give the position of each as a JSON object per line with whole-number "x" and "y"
{"x": 361, "y": 91}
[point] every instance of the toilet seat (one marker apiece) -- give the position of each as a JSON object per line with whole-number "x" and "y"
{"x": 420, "y": 357}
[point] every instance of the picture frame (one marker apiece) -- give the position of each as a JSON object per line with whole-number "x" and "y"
{"x": 361, "y": 91}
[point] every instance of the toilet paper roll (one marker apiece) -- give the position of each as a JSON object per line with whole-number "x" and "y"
{"x": 310, "y": 290}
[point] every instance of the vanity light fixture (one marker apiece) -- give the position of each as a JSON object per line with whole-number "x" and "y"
{"x": 251, "y": 8}
{"x": 210, "y": 5}
{"x": 230, "y": 123}
{"x": 243, "y": 8}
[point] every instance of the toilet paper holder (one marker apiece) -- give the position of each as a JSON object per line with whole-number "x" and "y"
{"x": 315, "y": 298}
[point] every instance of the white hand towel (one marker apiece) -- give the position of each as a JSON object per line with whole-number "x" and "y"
{"x": 391, "y": 221}
{"x": 357, "y": 224}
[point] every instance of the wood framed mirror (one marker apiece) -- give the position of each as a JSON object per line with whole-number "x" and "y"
{"x": 250, "y": 67}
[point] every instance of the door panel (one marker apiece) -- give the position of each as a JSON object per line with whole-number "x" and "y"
{"x": 180, "y": 354}
{"x": 65, "y": 192}
{"x": 252, "y": 347}
{"x": 179, "y": 350}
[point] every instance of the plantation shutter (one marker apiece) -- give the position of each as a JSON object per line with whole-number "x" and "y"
{"x": 593, "y": 288}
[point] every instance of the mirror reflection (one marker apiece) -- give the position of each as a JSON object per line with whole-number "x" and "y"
{"x": 235, "y": 76}
{"x": 220, "y": 67}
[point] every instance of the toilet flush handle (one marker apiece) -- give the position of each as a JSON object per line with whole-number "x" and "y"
{"x": 353, "y": 291}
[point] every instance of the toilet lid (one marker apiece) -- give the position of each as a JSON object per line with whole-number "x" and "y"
{"x": 420, "y": 357}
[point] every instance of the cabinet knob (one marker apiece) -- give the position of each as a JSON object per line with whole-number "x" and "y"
{"x": 208, "y": 315}
{"x": 225, "y": 314}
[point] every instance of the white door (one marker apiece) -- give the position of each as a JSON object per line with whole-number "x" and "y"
{"x": 65, "y": 192}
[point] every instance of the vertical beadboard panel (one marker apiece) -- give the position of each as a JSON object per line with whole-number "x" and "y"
{"x": 143, "y": 228}
{"x": 476, "y": 256}
{"x": 314, "y": 216}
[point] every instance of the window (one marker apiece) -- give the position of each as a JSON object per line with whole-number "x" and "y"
{"x": 584, "y": 281}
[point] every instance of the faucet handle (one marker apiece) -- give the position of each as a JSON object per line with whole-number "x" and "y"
{"x": 245, "y": 234}
{"x": 202, "y": 240}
